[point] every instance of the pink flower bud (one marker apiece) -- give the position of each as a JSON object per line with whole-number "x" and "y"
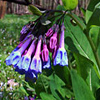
{"x": 50, "y": 31}
{"x": 45, "y": 53}
{"x": 53, "y": 41}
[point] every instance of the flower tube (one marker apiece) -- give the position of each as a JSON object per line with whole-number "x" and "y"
{"x": 26, "y": 59}
{"x": 36, "y": 64}
{"x": 61, "y": 55}
{"x": 16, "y": 56}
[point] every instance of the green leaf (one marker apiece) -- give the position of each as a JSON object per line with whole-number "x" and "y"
{"x": 42, "y": 84}
{"x": 34, "y": 10}
{"x": 55, "y": 84}
{"x": 95, "y": 17}
{"x": 95, "y": 33}
{"x": 90, "y": 9}
{"x": 85, "y": 68}
{"x": 60, "y": 7}
{"x": 76, "y": 41}
{"x": 80, "y": 88}
{"x": 83, "y": 11}
{"x": 45, "y": 96}
{"x": 63, "y": 73}
{"x": 93, "y": 81}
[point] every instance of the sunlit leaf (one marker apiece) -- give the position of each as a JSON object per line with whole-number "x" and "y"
{"x": 34, "y": 10}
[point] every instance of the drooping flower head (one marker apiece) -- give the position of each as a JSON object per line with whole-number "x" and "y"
{"x": 31, "y": 56}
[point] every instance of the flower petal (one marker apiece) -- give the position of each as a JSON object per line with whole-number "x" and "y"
{"x": 46, "y": 64}
{"x": 26, "y": 62}
{"x": 36, "y": 65}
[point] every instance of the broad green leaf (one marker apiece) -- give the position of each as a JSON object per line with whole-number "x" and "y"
{"x": 63, "y": 73}
{"x": 45, "y": 96}
{"x": 95, "y": 17}
{"x": 90, "y": 9}
{"x": 58, "y": 88}
{"x": 34, "y": 10}
{"x": 56, "y": 84}
{"x": 77, "y": 42}
{"x": 42, "y": 84}
{"x": 85, "y": 68}
{"x": 80, "y": 88}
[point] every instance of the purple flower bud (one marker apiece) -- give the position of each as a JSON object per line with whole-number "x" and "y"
{"x": 45, "y": 53}
{"x": 54, "y": 52}
{"x": 50, "y": 31}
{"x": 25, "y": 28}
{"x": 53, "y": 41}
{"x": 36, "y": 63}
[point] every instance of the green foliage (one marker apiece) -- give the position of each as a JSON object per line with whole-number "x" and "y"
{"x": 34, "y": 10}
{"x": 80, "y": 88}
{"x": 80, "y": 80}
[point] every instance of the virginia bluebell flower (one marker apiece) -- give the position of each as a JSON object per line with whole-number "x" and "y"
{"x": 26, "y": 59}
{"x": 36, "y": 64}
{"x": 16, "y": 55}
{"x": 61, "y": 55}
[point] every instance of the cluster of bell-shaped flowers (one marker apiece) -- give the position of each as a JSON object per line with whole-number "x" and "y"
{"x": 31, "y": 55}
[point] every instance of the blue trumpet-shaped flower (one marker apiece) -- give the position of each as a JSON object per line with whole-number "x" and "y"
{"x": 36, "y": 64}
{"x": 61, "y": 54}
{"x": 16, "y": 55}
{"x": 25, "y": 60}
{"x": 61, "y": 57}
